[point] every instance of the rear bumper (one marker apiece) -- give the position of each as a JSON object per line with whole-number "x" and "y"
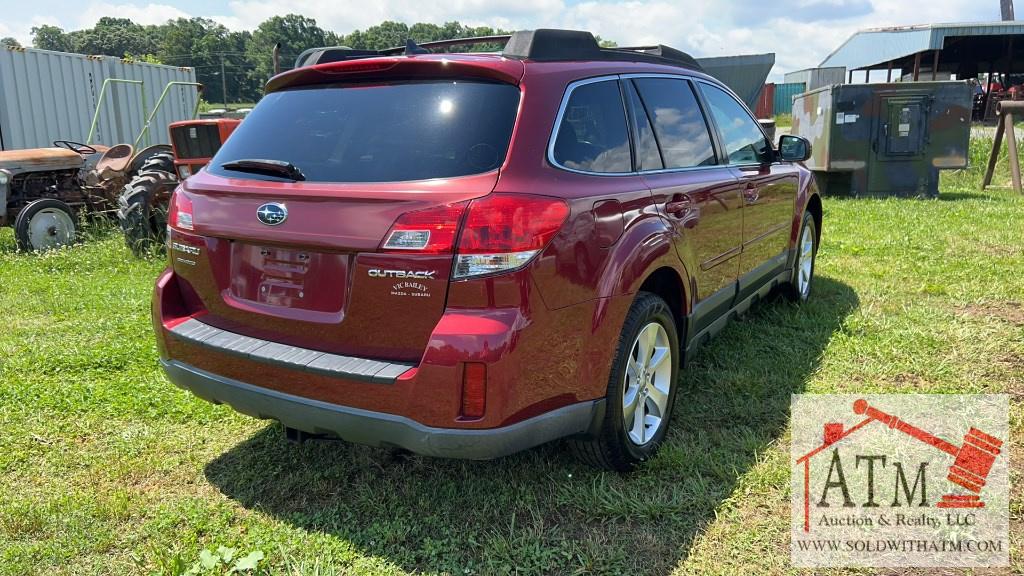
{"x": 381, "y": 429}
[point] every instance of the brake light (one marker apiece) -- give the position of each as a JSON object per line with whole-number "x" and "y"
{"x": 180, "y": 214}
{"x": 474, "y": 390}
{"x": 503, "y": 232}
{"x": 430, "y": 231}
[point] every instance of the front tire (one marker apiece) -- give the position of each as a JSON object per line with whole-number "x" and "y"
{"x": 799, "y": 287}
{"x": 43, "y": 225}
{"x": 641, "y": 389}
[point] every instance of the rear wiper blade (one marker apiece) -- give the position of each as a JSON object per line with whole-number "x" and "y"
{"x": 278, "y": 168}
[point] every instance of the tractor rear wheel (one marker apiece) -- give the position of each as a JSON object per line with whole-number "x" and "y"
{"x": 142, "y": 210}
{"x": 164, "y": 161}
{"x": 44, "y": 224}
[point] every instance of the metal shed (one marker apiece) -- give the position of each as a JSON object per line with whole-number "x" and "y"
{"x": 965, "y": 49}
{"x": 45, "y": 96}
{"x": 814, "y": 78}
{"x": 744, "y": 74}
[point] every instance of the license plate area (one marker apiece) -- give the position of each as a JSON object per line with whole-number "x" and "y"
{"x": 276, "y": 277}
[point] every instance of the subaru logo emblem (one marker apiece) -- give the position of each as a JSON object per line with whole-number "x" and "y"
{"x": 272, "y": 214}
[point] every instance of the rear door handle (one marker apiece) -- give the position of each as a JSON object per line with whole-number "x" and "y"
{"x": 681, "y": 206}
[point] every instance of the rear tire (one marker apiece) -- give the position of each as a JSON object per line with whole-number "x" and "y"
{"x": 142, "y": 210}
{"x": 43, "y": 225}
{"x": 164, "y": 161}
{"x": 641, "y": 389}
{"x": 799, "y": 287}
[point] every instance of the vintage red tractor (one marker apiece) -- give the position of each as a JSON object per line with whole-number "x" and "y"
{"x": 142, "y": 207}
{"x": 43, "y": 191}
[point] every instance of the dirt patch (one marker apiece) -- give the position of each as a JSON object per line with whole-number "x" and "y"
{"x": 1010, "y": 311}
{"x": 910, "y": 381}
{"x": 999, "y": 250}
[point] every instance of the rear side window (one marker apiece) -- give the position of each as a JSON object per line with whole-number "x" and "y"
{"x": 378, "y": 132}
{"x": 742, "y": 137}
{"x": 678, "y": 122}
{"x": 592, "y": 135}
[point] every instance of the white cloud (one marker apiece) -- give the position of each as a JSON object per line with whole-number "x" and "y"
{"x": 138, "y": 13}
{"x": 801, "y": 36}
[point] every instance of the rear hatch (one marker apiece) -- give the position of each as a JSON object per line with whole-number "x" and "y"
{"x": 348, "y": 250}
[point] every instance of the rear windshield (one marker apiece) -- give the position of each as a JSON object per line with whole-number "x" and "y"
{"x": 378, "y": 133}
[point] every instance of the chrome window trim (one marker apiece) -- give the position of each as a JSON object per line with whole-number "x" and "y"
{"x": 615, "y": 78}
{"x": 558, "y": 124}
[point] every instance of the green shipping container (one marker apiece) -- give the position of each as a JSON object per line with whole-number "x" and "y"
{"x": 784, "y": 94}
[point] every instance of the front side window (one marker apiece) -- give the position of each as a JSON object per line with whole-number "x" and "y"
{"x": 592, "y": 135}
{"x": 678, "y": 122}
{"x": 742, "y": 138}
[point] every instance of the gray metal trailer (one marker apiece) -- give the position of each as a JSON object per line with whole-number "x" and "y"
{"x": 885, "y": 139}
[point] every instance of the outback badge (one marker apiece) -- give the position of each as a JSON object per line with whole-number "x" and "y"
{"x": 272, "y": 213}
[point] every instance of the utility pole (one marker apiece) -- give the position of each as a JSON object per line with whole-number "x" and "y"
{"x": 1007, "y": 9}
{"x": 223, "y": 82}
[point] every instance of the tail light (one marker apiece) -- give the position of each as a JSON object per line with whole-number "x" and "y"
{"x": 474, "y": 390}
{"x": 503, "y": 232}
{"x": 180, "y": 214}
{"x": 430, "y": 231}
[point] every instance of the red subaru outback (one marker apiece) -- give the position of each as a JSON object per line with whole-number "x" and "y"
{"x": 467, "y": 255}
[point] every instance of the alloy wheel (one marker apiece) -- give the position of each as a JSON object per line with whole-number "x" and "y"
{"x": 648, "y": 381}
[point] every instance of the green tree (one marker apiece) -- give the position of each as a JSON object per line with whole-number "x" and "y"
{"x": 115, "y": 37}
{"x": 202, "y": 44}
{"x": 47, "y": 37}
{"x": 8, "y": 41}
{"x": 295, "y": 33}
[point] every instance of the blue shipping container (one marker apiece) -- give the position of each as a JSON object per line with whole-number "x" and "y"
{"x": 784, "y": 96}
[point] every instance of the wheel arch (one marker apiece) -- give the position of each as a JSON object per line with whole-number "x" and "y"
{"x": 815, "y": 208}
{"x": 667, "y": 283}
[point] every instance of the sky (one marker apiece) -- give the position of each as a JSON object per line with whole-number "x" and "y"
{"x": 801, "y": 32}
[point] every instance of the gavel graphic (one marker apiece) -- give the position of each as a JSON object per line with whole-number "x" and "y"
{"x": 973, "y": 460}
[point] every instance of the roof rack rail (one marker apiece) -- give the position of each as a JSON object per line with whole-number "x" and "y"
{"x": 325, "y": 54}
{"x": 542, "y": 45}
{"x": 448, "y": 43}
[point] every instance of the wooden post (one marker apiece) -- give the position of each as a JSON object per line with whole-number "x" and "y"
{"x": 917, "y": 67}
{"x": 935, "y": 66}
{"x": 1009, "y": 63}
{"x": 993, "y": 157}
{"x": 988, "y": 91}
{"x": 888, "y": 75}
{"x": 1005, "y": 110}
{"x": 1011, "y": 151}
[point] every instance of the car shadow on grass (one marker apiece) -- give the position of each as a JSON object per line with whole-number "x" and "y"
{"x": 541, "y": 511}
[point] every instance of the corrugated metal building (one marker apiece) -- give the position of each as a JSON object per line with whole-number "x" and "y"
{"x": 814, "y": 78}
{"x": 744, "y": 74}
{"x": 964, "y": 49}
{"x": 47, "y": 96}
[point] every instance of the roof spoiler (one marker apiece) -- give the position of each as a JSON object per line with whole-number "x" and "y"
{"x": 541, "y": 45}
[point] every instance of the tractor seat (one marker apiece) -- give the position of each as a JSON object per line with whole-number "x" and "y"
{"x": 116, "y": 159}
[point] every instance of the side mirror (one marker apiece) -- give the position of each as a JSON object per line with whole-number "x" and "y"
{"x": 794, "y": 148}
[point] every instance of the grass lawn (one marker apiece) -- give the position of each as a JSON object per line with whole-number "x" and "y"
{"x": 106, "y": 468}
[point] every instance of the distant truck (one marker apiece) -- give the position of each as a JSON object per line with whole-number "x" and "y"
{"x": 885, "y": 139}
{"x": 142, "y": 207}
